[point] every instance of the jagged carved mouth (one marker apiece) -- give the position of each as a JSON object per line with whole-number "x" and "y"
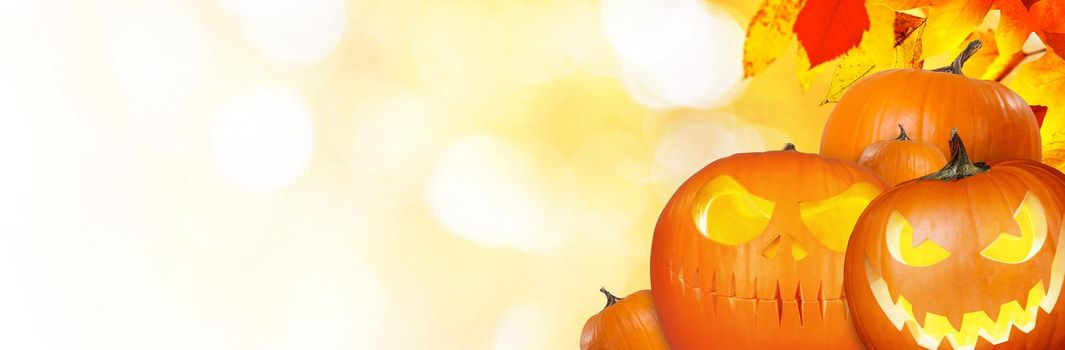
{"x": 931, "y": 331}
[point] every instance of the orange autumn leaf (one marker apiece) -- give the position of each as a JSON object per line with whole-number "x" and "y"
{"x": 768, "y": 34}
{"x": 1014, "y": 25}
{"x": 950, "y": 21}
{"x": 893, "y": 41}
{"x": 828, "y": 28}
{"x": 902, "y": 5}
{"x": 1048, "y": 17}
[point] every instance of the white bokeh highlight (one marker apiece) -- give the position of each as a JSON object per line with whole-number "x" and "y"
{"x": 675, "y": 53}
{"x": 159, "y": 53}
{"x": 497, "y": 194}
{"x": 294, "y": 31}
{"x": 523, "y": 327}
{"x": 263, "y": 138}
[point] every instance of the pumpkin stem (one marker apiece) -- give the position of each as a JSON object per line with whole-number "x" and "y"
{"x": 902, "y": 134}
{"x": 965, "y": 55}
{"x": 789, "y": 147}
{"x": 959, "y": 166}
{"x": 610, "y": 298}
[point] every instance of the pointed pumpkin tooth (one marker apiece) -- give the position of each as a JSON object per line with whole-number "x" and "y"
{"x": 937, "y": 326}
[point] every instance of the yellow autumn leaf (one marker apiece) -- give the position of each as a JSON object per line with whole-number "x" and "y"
{"x": 806, "y": 75}
{"x": 950, "y": 21}
{"x": 1053, "y": 147}
{"x": 1042, "y": 82}
{"x": 893, "y": 41}
{"x": 768, "y": 34}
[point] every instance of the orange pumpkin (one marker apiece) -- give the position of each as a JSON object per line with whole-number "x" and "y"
{"x": 969, "y": 257}
{"x": 624, "y": 324}
{"x": 902, "y": 159}
{"x": 748, "y": 253}
{"x": 999, "y": 123}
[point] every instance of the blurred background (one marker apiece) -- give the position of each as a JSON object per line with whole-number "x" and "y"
{"x": 365, "y": 174}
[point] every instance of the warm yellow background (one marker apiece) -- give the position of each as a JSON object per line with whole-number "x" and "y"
{"x": 295, "y": 174}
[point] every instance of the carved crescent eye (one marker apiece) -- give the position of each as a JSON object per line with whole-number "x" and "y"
{"x": 899, "y": 237}
{"x": 1012, "y": 249}
{"x": 832, "y": 219}
{"x": 727, "y": 213}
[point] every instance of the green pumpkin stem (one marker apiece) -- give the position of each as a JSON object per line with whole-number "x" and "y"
{"x": 965, "y": 55}
{"x": 902, "y": 134}
{"x": 610, "y": 298}
{"x": 789, "y": 147}
{"x": 959, "y": 166}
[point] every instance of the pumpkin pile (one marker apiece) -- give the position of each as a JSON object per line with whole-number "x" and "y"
{"x": 880, "y": 241}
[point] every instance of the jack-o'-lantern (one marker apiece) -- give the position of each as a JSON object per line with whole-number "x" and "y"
{"x": 999, "y": 124}
{"x": 748, "y": 253}
{"x": 902, "y": 159}
{"x": 969, "y": 257}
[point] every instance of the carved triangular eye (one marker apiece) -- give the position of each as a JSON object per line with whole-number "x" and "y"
{"x": 725, "y": 212}
{"x": 899, "y": 237}
{"x": 1013, "y": 249}
{"x": 832, "y": 219}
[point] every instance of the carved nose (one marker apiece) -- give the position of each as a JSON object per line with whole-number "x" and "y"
{"x": 787, "y": 242}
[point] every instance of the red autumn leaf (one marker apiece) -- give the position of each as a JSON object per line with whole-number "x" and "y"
{"x": 1040, "y": 114}
{"x": 828, "y": 28}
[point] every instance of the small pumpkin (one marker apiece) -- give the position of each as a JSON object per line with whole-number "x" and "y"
{"x": 969, "y": 257}
{"x": 999, "y": 124}
{"x": 748, "y": 253}
{"x": 902, "y": 159}
{"x": 624, "y": 324}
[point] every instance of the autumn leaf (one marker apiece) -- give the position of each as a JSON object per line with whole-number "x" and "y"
{"x": 806, "y": 73}
{"x": 902, "y": 5}
{"x": 1042, "y": 82}
{"x": 1040, "y": 114}
{"x": 893, "y": 41}
{"x": 828, "y": 28}
{"x": 768, "y": 34}
{"x": 950, "y": 21}
{"x": 1048, "y": 16}
{"x": 1014, "y": 25}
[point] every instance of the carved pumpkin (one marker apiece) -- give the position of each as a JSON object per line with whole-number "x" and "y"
{"x": 624, "y": 324}
{"x": 902, "y": 159}
{"x": 748, "y": 253}
{"x": 998, "y": 123}
{"x": 968, "y": 257}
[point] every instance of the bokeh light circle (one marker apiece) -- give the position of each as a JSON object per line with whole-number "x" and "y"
{"x": 523, "y": 327}
{"x": 492, "y": 192}
{"x": 297, "y": 31}
{"x": 159, "y": 53}
{"x": 263, "y": 138}
{"x": 675, "y": 53}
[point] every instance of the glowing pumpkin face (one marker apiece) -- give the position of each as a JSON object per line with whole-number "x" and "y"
{"x": 748, "y": 253}
{"x": 967, "y": 260}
